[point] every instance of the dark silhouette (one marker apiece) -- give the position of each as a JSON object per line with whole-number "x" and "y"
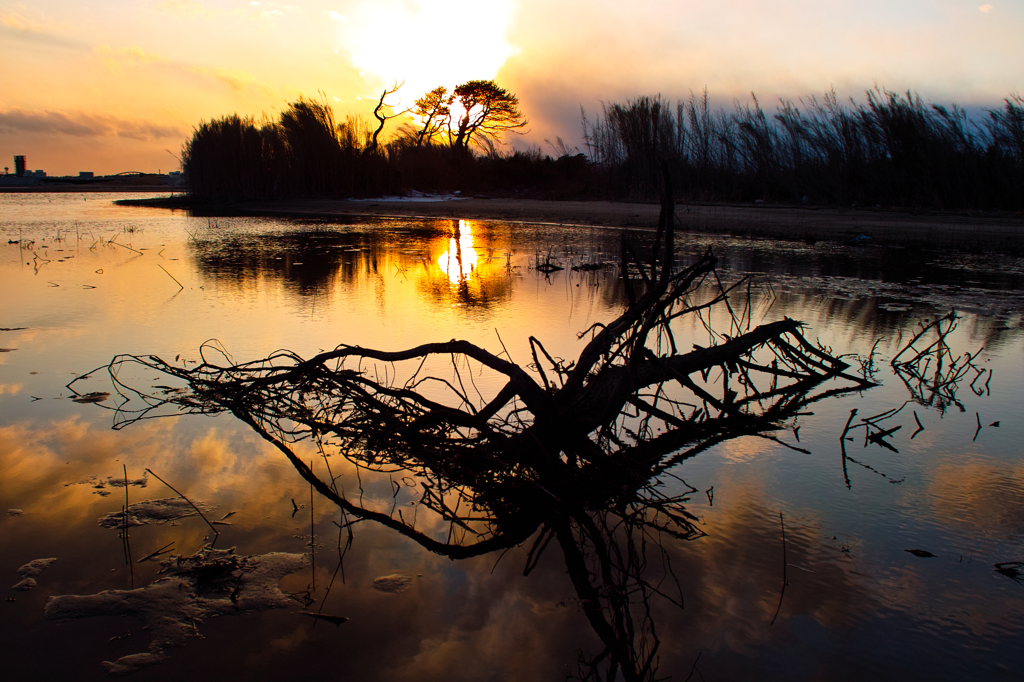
{"x": 892, "y": 151}
{"x": 490, "y": 110}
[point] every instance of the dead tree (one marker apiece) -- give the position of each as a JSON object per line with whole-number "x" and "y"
{"x": 381, "y": 118}
{"x": 573, "y": 452}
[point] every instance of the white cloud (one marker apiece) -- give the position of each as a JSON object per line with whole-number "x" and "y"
{"x": 187, "y": 7}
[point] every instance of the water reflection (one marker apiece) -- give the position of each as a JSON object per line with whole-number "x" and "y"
{"x": 571, "y": 455}
{"x": 448, "y": 262}
{"x": 857, "y": 606}
{"x": 459, "y": 261}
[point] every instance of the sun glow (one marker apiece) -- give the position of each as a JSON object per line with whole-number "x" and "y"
{"x": 459, "y": 261}
{"x": 426, "y": 43}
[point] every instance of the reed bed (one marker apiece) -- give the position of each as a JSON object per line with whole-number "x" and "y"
{"x": 891, "y": 151}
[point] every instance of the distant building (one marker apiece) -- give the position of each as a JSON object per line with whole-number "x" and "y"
{"x": 19, "y": 166}
{"x": 85, "y": 175}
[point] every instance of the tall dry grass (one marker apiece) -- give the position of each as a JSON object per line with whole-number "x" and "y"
{"x": 891, "y": 150}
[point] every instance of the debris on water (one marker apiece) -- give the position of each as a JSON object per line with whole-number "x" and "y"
{"x": 860, "y": 239}
{"x": 392, "y": 584}
{"x": 120, "y": 482}
{"x": 228, "y": 515}
{"x": 112, "y": 481}
{"x": 159, "y": 511}
{"x": 923, "y": 553}
{"x": 93, "y": 397}
{"x": 334, "y": 620}
{"x": 588, "y": 267}
{"x": 192, "y": 589}
{"x": 1011, "y": 569}
{"x": 30, "y": 571}
{"x": 7, "y": 350}
{"x": 14, "y": 512}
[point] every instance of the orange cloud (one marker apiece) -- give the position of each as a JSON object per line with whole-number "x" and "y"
{"x": 84, "y": 124}
{"x": 236, "y": 80}
{"x": 117, "y": 58}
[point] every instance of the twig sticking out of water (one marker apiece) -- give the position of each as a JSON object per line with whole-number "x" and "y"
{"x": 124, "y": 247}
{"x": 919, "y": 427}
{"x": 124, "y": 530}
{"x": 171, "y": 276}
{"x": 163, "y": 550}
{"x": 334, "y": 620}
{"x": 784, "y": 564}
{"x": 693, "y": 669}
{"x": 933, "y": 374}
{"x": 842, "y": 446}
{"x": 216, "y": 533}
{"x": 312, "y": 534}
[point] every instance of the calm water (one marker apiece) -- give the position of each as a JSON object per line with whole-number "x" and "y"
{"x": 88, "y": 281}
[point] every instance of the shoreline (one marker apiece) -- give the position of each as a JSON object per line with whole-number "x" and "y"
{"x": 972, "y": 232}
{"x": 98, "y": 187}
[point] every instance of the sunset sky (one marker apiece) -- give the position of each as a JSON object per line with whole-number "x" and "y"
{"x": 117, "y": 85}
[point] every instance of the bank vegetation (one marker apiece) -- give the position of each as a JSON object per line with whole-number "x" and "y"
{"x": 892, "y": 150}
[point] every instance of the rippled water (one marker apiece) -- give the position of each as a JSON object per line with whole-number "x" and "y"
{"x": 87, "y": 281}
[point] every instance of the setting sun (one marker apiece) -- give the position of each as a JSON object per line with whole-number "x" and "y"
{"x": 431, "y": 43}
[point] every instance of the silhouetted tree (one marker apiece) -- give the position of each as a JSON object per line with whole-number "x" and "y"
{"x": 434, "y": 111}
{"x": 381, "y": 118}
{"x": 489, "y": 111}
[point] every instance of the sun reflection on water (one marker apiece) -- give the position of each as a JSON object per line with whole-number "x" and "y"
{"x": 459, "y": 261}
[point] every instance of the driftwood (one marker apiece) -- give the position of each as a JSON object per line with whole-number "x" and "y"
{"x": 575, "y": 452}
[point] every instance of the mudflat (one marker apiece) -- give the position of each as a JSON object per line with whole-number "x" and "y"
{"x": 976, "y": 232}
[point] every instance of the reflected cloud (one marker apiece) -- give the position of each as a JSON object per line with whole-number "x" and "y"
{"x": 984, "y": 494}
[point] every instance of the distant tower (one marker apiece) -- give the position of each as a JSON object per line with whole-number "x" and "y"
{"x": 19, "y": 165}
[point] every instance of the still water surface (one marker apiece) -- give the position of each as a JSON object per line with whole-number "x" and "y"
{"x": 87, "y": 281}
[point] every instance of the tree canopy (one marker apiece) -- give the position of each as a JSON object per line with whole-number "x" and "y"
{"x": 482, "y": 110}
